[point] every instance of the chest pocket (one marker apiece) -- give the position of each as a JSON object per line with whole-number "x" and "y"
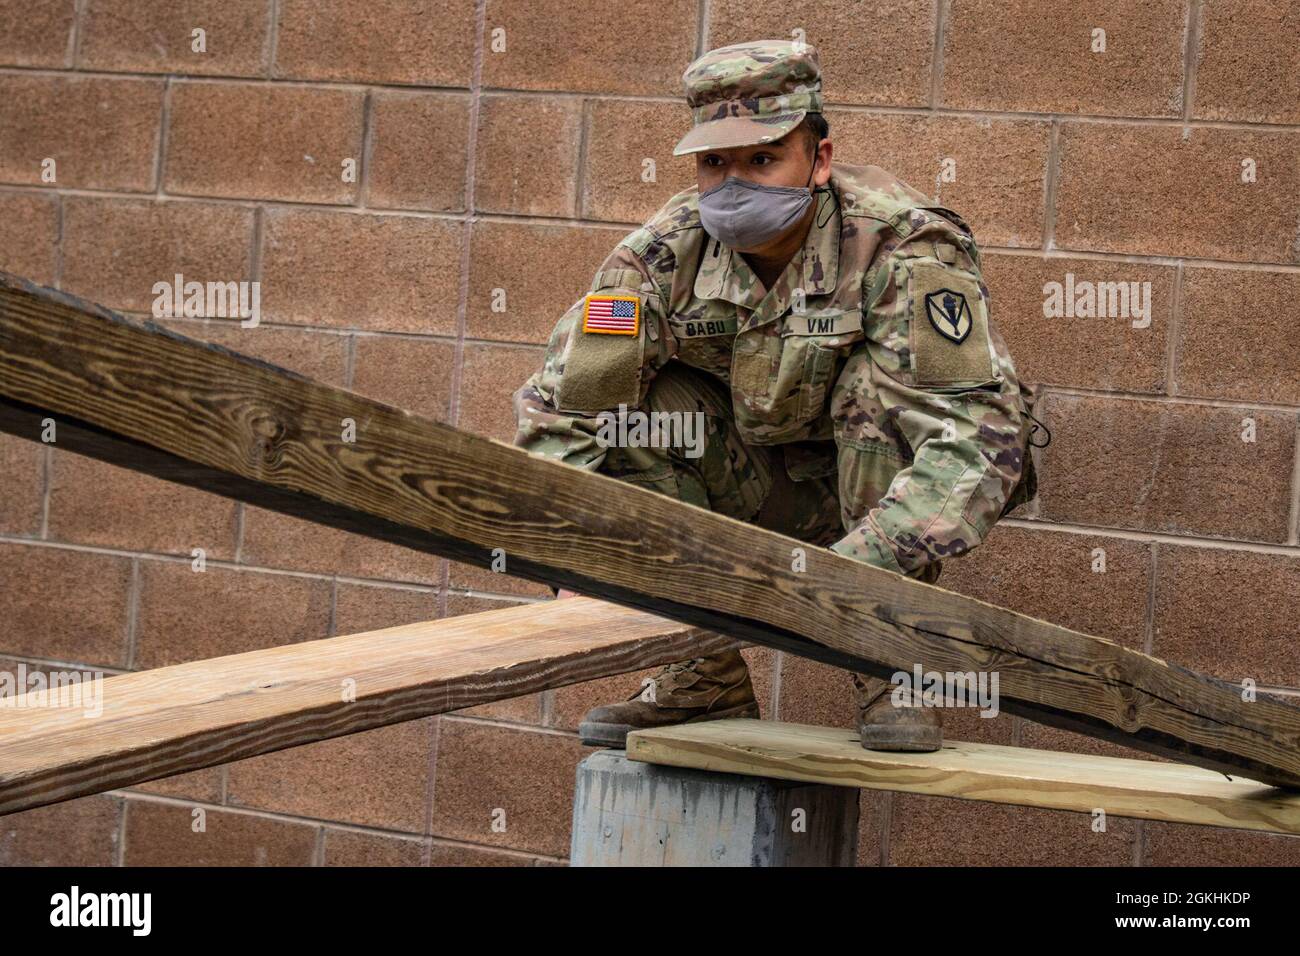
{"x": 705, "y": 335}
{"x": 782, "y": 373}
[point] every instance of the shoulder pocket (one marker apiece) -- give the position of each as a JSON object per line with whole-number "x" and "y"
{"x": 949, "y": 325}
{"x": 605, "y": 352}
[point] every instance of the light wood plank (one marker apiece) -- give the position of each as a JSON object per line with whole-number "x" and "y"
{"x": 971, "y": 771}
{"x": 174, "y": 719}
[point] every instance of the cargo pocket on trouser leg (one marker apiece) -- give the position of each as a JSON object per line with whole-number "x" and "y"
{"x": 807, "y": 510}
{"x": 650, "y": 468}
{"x": 735, "y": 477}
{"x": 708, "y": 464}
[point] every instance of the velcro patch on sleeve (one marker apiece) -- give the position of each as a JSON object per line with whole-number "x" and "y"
{"x": 616, "y": 279}
{"x": 949, "y": 326}
{"x": 602, "y": 366}
{"x": 605, "y": 314}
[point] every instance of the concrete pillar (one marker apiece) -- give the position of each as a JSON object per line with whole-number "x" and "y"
{"x": 627, "y": 813}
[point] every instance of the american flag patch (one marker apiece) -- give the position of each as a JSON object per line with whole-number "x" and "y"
{"x": 612, "y": 314}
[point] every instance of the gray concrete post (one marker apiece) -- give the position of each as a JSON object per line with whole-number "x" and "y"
{"x": 627, "y": 813}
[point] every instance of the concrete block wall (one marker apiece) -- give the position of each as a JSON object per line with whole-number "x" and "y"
{"x": 499, "y": 149}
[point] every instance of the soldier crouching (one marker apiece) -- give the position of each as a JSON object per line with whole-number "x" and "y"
{"x": 830, "y": 330}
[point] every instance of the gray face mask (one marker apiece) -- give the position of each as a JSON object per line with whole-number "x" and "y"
{"x": 744, "y": 215}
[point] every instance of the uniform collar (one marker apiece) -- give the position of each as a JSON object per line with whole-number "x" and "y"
{"x": 726, "y": 275}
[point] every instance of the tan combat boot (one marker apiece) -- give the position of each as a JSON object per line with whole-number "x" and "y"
{"x": 705, "y": 688}
{"x": 883, "y": 725}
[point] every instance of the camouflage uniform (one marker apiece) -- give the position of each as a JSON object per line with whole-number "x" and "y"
{"x": 868, "y": 386}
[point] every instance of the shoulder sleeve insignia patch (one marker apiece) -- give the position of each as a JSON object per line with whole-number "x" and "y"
{"x": 949, "y": 314}
{"x": 611, "y": 314}
{"x": 949, "y": 326}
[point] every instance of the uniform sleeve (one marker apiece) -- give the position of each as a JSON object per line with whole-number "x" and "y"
{"x": 944, "y": 381}
{"x": 586, "y": 373}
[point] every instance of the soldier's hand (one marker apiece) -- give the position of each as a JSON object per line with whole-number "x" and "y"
{"x": 566, "y": 593}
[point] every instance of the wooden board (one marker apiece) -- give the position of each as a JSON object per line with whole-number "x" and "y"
{"x": 174, "y": 719}
{"x": 996, "y": 774}
{"x": 146, "y": 398}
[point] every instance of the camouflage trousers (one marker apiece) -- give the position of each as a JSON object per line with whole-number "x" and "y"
{"x": 743, "y": 481}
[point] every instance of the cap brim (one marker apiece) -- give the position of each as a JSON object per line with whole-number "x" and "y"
{"x": 732, "y": 131}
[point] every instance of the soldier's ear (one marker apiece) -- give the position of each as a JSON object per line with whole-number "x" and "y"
{"x": 817, "y": 156}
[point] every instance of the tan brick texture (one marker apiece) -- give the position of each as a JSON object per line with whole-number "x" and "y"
{"x": 421, "y": 188}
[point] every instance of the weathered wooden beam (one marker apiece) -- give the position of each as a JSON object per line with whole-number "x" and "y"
{"x": 1144, "y": 789}
{"x": 132, "y": 728}
{"x": 147, "y": 398}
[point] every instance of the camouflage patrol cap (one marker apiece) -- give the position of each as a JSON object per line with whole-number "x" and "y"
{"x": 750, "y": 93}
